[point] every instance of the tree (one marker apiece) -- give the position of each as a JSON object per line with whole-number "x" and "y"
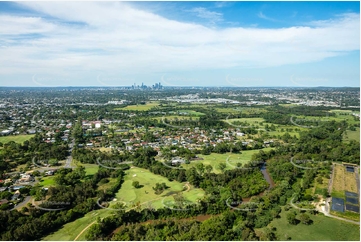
{"x": 222, "y": 166}
{"x": 291, "y": 218}
{"x": 93, "y": 232}
{"x": 4, "y": 206}
{"x": 179, "y": 200}
{"x": 136, "y": 184}
{"x": 5, "y": 195}
{"x": 200, "y": 168}
{"x": 209, "y": 168}
{"x": 305, "y": 219}
{"x": 24, "y": 209}
{"x": 53, "y": 162}
{"x": 159, "y": 188}
{"x": 269, "y": 235}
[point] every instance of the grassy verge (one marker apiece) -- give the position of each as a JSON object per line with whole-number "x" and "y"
{"x": 322, "y": 228}
{"x": 346, "y": 215}
{"x": 15, "y": 138}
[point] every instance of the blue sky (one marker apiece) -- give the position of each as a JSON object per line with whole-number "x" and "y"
{"x": 180, "y": 43}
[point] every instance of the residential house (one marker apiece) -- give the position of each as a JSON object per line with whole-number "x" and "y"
{"x": 16, "y": 195}
{"x": 3, "y": 201}
{"x": 177, "y": 160}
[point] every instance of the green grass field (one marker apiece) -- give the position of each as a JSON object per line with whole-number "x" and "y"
{"x": 47, "y": 181}
{"x": 293, "y": 130}
{"x": 15, "y": 138}
{"x": 146, "y": 195}
{"x": 191, "y": 112}
{"x": 71, "y": 230}
{"x": 347, "y": 215}
{"x": 251, "y": 121}
{"x": 341, "y": 115}
{"x": 215, "y": 159}
{"x": 352, "y": 135}
{"x": 323, "y": 228}
{"x": 349, "y": 118}
{"x": 173, "y": 117}
{"x": 145, "y": 107}
{"x": 90, "y": 169}
{"x": 343, "y": 111}
{"x": 107, "y": 185}
{"x": 128, "y": 193}
{"x": 318, "y": 188}
{"x": 245, "y": 110}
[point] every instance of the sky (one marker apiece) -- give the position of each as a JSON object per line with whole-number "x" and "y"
{"x": 240, "y": 44}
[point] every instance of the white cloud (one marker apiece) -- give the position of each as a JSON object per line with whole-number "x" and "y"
{"x": 261, "y": 15}
{"x": 213, "y": 17}
{"x": 222, "y": 4}
{"x": 115, "y": 37}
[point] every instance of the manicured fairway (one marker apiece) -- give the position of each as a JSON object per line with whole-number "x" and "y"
{"x": 145, "y": 107}
{"x": 90, "y": 169}
{"x": 261, "y": 124}
{"x": 215, "y": 159}
{"x": 352, "y": 135}
{"x": 323, "y": 228}
{"x": 47, "y": 181}
{"x": 250, "y": 121}
{"x": 190, "y": 112}
{"x": 128, "y": 193}
{"x": 70, "y": 230}
{"x": 341, "y": 115}
{"x": 15, "y": 138}
{"x": 245, "y": 110}
{"x": 179, "y": 117}
{"x": 146, "y": 195}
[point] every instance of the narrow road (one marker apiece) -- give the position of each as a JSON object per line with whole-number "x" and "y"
{"x": 69, "y": 159}
{"x": 81, "y": 232}
{"x": 23, "y": 203}
{"x": 327, "y": 213}
{"x": 68, "y": 162}
{"x": 188, "y": 187}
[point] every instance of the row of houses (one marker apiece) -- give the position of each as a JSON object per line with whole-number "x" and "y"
{"x": 190, "y": 139}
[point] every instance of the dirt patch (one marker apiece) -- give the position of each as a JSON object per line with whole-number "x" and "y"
{"x": 343, "y": 180}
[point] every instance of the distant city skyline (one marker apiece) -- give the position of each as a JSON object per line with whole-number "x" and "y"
{"x": 240, "y": 44}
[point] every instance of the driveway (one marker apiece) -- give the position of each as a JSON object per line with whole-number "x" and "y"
{"x": 326, "y": 212}
{"x": 23, "y": 203}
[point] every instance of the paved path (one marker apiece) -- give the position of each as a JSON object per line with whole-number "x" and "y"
{"x": 23, "y": 203}
{"x": 327, "y": 213}
{"x": 69, "y": 159}
{"x": 68, "y": 162}
{"x": 81, "y": 232}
